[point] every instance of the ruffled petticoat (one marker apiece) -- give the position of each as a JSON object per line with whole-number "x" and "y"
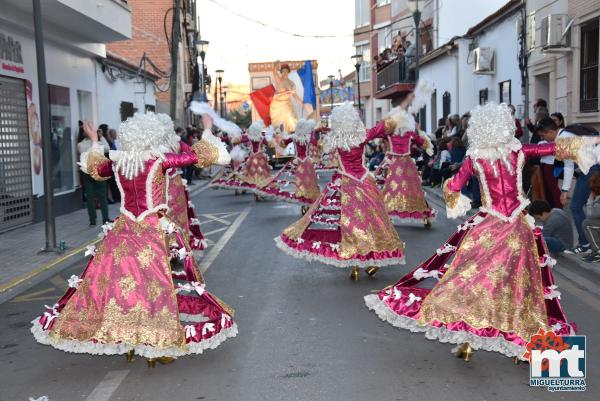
{"x": 256, "y": 171}
{"x": 497, "y": 292}
{"x": 181, "y": 210}
{"x": 297, "y": 173}
{"x": 402, "y": 193}
{"x": 346, "y": 227}
{"x": 128, "y": 298}
{"x": 231, "y": 178}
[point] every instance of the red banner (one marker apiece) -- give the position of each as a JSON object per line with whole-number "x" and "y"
{"x": 262, "y": 101}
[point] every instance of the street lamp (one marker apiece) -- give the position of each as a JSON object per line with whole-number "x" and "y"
{"x": 219, "y": 75}
{"x": 331, "y": 90}
{"x": 357, "y": 59}
{"x": 224, "y": 102}
{"x": 201, "y": 48}
{"x": 413, "y": 6}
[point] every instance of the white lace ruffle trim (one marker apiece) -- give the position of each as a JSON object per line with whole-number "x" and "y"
{"x": 146, "y": 351}
{"x": 461, "y": 208}
{"x": 345, "y": 263}
{"x": 441, "y": 334}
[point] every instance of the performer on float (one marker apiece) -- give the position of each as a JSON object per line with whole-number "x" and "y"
{"x": 281, "y": 109}
{"x": 299, "y": 171}
{"x": 498, "y": 290}
{"x": 127, "y": 300}
{"x": 347, "y": 226}
{"x": 402, "y": 192}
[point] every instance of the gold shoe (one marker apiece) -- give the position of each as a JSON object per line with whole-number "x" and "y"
{"x": 354, "y": 276}
{"x": 304, "y": 210}
{"x": 165, "y": 360}
{"x": 371, "y": 270}
{"x": 426, "y": 223}
{"x": 465, "y": 351}
{"x": 516, "y": 360}
{"x": 130, "y": 356}
{"x": 151, "y": 362}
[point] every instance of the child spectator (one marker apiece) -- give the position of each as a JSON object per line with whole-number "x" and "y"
{"x": 591, "y": 225}
{"x": 557, "y": 231}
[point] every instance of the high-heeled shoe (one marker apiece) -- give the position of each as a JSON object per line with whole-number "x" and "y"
{"x": 130, "y": 356}
{"x": 464, "y": 352}
{"x": 151, "y": 362}
{"x": 303, "y": 210}
{"x": 426, "y": 223}
{"x": 371, "y": 271}
{"x": 355, "y": 274}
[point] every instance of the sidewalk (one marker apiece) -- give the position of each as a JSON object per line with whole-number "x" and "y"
{"x": 584, "y": 274}
{"x": 21, "y": 259}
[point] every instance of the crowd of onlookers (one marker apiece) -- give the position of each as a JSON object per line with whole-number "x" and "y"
{"x": 564, "y": 200}
{"x": 401, "y": 49}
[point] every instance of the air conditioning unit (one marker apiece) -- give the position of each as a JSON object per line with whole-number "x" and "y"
{"x": 555, "y": 34}
{"x": 484, "y": 61}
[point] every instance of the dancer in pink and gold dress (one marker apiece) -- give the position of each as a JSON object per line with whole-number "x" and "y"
{"x": 498, "y": 290}
{"x": 348, "y": 225}
{"x": 128, "y": 300}
{"x": 299, "y": 172}
{"x": 402, "y": 192}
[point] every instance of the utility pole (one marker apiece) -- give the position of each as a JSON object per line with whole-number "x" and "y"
{"x": 175, "y": 58}
{"x": 45, "y": 122}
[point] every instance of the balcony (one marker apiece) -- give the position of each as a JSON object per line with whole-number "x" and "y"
{"x": 396, "y": 78}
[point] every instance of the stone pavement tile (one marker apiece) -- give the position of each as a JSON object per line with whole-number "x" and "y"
{"x": 20, "y": 248}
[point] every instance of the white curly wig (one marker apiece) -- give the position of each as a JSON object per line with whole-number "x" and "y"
{"x": 141, "y": 138}
{"x": 347, "y": 129}
{"x": 255, "y": 130}
{"x": 303, "y": 130}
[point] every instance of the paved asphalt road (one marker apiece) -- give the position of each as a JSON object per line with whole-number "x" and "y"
{"x": 305, "y": 333}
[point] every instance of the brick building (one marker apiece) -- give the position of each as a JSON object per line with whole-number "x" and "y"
{"x": 151, "y": 22}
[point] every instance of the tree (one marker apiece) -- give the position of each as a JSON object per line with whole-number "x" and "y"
{"x": 241, "y": 117}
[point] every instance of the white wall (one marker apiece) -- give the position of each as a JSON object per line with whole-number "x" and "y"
{"x": 110, "y": 94}
{"x": 64, "y": 68}
{"x": 441, "y": 73}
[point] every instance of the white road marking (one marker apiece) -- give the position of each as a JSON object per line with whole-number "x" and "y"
{"x": 215, "y": 218}
{"x": 106, "y": 388}
{"x": 218, "y": 230}
{"x": 214, "y": 252}
{"x": 198, "y": 190}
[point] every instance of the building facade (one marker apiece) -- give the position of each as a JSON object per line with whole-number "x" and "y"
{"x": 475, "y": 68}
{"x": 75, "y": 36}
{"x": 379, "y": 24}
{"x": 151, "y": 25}
{"x": 563, "y": 47}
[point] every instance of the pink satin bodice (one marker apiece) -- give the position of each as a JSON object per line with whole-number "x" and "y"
{"x": 502, "y": 190}
{"x": 255, "y": 144}
{"x": 401, "y": 144}
{"x": 351, "y": 161}
{"x": 300, "y": 149}
{"x": 147, "y": 190}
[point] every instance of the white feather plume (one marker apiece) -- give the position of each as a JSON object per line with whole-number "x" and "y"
{"x": 202, "y": 108}
{"x": 237, "y": 153}
{"x": 422, "y": 92}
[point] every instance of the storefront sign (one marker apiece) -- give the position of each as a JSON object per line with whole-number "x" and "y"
{"x": 10, "y": 54}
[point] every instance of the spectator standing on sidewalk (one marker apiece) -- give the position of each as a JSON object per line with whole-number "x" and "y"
{"x": 591, "y": 225}
{"x": 93, "y": 189}
{"x": 518, "y": 126}
{"x": 548, "y": 128}
{"x": 557, "y": 231}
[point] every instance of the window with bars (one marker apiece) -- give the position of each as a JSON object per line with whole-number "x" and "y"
{"x": 588, "y": 91}
{"x": 483, "y": 96}
{"x": 446, "y": 99}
